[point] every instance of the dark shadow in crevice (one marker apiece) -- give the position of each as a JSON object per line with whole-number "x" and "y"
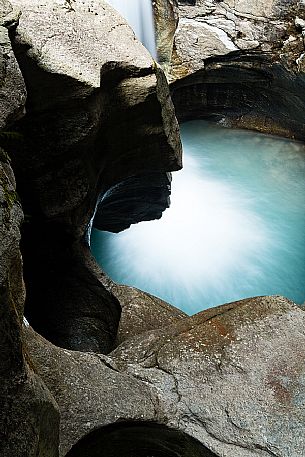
{"x": 138, "y": 439}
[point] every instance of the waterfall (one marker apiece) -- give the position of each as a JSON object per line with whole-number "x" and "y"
{"x": 139, "y": 15}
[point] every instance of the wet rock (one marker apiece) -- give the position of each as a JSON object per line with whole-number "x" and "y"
{"x": 223, "y": 28}
{"x": 245, "y": 91}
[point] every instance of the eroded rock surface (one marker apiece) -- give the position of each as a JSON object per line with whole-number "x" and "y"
{"x": 232, "y": 377}
{"x": 12, "y": 87}
{"x": 210, "y": 28}
{"x": 166, "y": 21}
{"x": 100, "y": 125}
{"x": 99, "y": 115}
{"x": 240, "y": 62}
{"x": 142, "y": 311}
{"x": 29, "y": 418}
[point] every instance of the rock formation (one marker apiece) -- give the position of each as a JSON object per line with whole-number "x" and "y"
{"x": 231, "y": 377}
{"x": 92, "y": 106}
{"x": 94, "y": 142}
{"x": 29, "y": 417}
{"x": 241, "y": 62}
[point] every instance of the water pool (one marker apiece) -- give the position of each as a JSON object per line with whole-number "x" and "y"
{"x": 235, "y": 228}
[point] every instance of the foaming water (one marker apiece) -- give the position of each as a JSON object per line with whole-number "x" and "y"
{"x": 139, "y": 15}
{"x": 235, "y": 227}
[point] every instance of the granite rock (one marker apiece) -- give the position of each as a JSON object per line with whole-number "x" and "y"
{"x": 240, "y": 63}
{"x": 142, "y": 312}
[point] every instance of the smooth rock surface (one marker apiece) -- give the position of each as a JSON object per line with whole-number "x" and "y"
{"x": 142, "y": 312}
{"x": 231, "y": 377}
{"x": 88, "y": 388}
{"x": 99, "y": 118}
{"x": 241, "y": 63}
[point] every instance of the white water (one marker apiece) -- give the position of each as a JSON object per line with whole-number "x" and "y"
{"x": 139, "y": 15}
{"x": 235, "y": 228}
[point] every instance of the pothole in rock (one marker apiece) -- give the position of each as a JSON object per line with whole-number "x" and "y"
{"x": 235, "y": 228}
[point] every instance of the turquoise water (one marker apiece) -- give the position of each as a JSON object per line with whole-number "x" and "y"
{"x": 235, "y": 228}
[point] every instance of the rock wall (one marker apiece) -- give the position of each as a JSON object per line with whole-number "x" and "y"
{"x": 29, "y": 417}
{"x": 99, "y": 126}
{"x": 241, "y": 62}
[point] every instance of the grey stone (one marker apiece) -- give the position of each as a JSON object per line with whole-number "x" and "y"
{"x": 142, "y": 312}
{"x": 99, "y": 117}
{"x": 232, "y": 377}
{"x": 12, "y": 87}
{"x": 208, "y": 29}
{"x": 166, "y": 21}
{"x": 88, "y": 388}
{"x": 241, "y": 63}
{"x": 29, "y": 419}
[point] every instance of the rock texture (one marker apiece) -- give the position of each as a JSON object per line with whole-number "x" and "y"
{"x": 99, "y": 126}
{"x": 166, "y": 22}
{"x": 240, "y": 62}
{"x": 217, "y": 28}
{"x": 12, "y": 88}
{"x": 29, "y": 418}
{"x": 232, "y": 377}
{"x": 142, "y": 312}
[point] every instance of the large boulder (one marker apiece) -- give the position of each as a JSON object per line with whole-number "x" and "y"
{"x": 232, "y": 377}
{"x": 88, "y": 388}
{"x": 100, "y": 128}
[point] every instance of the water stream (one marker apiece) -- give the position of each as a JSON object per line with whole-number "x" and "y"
{"x": 139, "y": 15}
{"x": 235, "y": 227}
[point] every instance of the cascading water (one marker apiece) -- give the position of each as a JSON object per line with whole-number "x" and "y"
{"x": 139, "y": 15}
{"x": 235, "y": 227}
